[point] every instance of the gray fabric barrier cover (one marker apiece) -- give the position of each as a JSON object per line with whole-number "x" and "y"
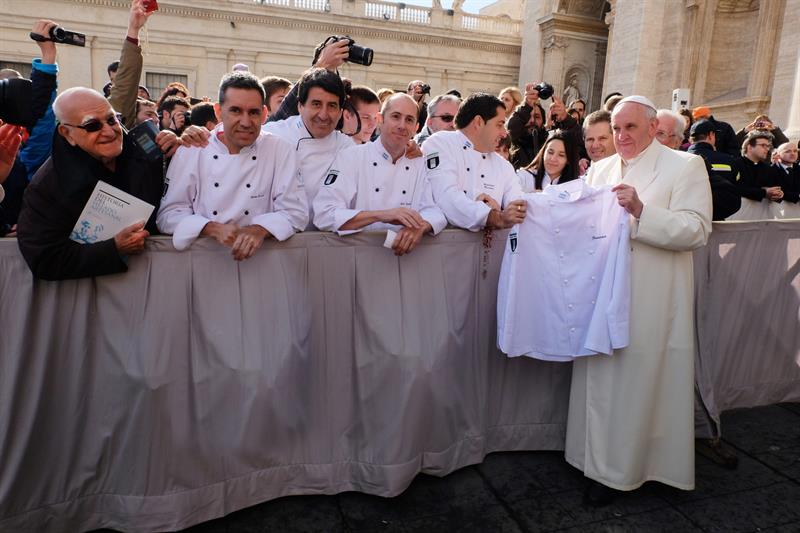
{"x": 747, "y": 310}
{"x": 193, "y": 386}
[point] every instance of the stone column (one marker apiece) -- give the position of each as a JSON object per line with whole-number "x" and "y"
{"x": 769, "y": 19}
{"x": 700, "y": 32}
{"x": 554, "y": 47}
{"x": 531, "y": 58}
{"x": 793, "y": 124}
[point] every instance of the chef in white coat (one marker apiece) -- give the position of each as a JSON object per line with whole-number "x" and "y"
{"x": 375, "y": 186}
{"x": 312, "y": 133}
{"x": 239, "y": 189}
{"x": 631, "y": 415}
{"x": 473, "y": 185}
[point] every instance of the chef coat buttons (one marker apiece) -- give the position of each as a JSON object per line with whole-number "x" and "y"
{"x": 467, "y": 169}
{"x": 570, "y": 306}
{"x": 247, "y": 212}
{"x": 216, "y": 184}
{"x": 404, "y": 192}
{"x": 465, "y": 147}
{"x": 254, "y": 158}
{"x": 483, "y": 176}
{"x": 572, "y": 330}
{"x": 566, "y": 282}
{"x": 558, "y": 230}
{"x": 374, "y": 164}
{"x": 377, "y": 189}
{"x": 214, "y": 213}
{"x": 483, "y": 156}
{"x": 593, "y": 278}
{"x": 407, "y": 168}
{"x": 248, "y": 185}
{"x": 216, "y": 157}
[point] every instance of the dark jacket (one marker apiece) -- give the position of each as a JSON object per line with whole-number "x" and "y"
{"x": 526, "y": 144}
{"x": 726, "y": 138}
{"x": 789, "y": 181}
{"x": 722, "y": 172}
{"x": 56, "y": 197}
{"x": 754, "y": 177}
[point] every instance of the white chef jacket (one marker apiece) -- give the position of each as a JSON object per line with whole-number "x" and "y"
{"x": 256, "y": 186}
{"x": 564, "y": 288}
{"x": 459, "y": 173}
{"x": 314, "y": 156}
{"x": 363, "y": 178}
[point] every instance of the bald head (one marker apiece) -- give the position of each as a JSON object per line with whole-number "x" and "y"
{"x": 87, "y": 121}
{"x": 787, "y": 152}
{"x": 73, "y": 100}
{"x": 393, "y": 101}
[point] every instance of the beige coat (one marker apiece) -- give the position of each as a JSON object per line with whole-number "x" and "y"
{"x": 631, "y": 415}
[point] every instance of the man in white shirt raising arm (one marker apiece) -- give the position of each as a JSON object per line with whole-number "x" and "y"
{"x": 375, "y": 186}
{"x": 471, "y": 183}
{"x": 242, "y": 187}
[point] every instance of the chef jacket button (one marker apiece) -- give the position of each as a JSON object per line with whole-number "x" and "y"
{"x": 592, "y": 302}
{"x": 408, "y": 168}
{"x": 377, "y": 189}
{"x": 465, "y": 192}
{"x": 483, "y": 176}
{"x": 591, "y": 252}
{"x": 216, "y": 184}
{"x": 558, "y": 230}
{"x": 591, "y": 226}
{"x": 248, "y": 185}
{"x": 254, "y": 158}
{"x": 465, "y": 147}
{"x": 570, "y": 306}
{"x": 247, "y": 212}
{"x": 216, "y": 157}
{"x": 592, "y": 278}
{"x": 214, "y": 213}
{"x": 483, "y": 156}
{"x": 572, "y": 330}
{"x": 374, "y": 164}
{"x": 404, "y": 192}
{"x": 561, "y": 255}
{"x": 566, "y": 282}
{"x": 467, "y": 169}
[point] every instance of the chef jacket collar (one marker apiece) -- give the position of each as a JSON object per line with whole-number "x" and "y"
{"x": 220, "y": 147}
{"x": 466, "y": 142}
{"x": 379, "y": 150}
{"x": 569, "y": 191}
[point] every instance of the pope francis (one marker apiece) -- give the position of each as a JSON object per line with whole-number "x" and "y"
{"x": 631, "y": 415}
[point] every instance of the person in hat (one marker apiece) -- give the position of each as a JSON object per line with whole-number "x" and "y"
{"x": 726, "y": 137}
{"x": 631, "y": 415}
{"x": 722, "y": 169}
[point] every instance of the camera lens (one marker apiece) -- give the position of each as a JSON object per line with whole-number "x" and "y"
{"x": 58, "y": 34}
{"x": 360, "y": 55}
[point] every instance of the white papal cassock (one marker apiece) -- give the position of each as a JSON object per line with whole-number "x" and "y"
{"x": 631, "y": 416}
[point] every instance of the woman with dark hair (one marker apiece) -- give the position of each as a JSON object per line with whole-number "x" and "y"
{"x": 556, "y": 162}
{"x": 688, "y": 121}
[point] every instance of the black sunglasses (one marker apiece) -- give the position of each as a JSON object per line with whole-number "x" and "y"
{"x": 94, "y": 125}
{"x": 445, "y": 118}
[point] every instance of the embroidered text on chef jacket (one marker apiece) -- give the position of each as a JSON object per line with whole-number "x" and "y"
{"x": 564, "y": 288}
{"x": 314, "y": 156}
{"x": 459, "y": 173}
{"x": 363, "y": 178}
{"x": 256, "y": 186}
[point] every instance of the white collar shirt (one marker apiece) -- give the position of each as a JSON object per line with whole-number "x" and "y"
{"x": 527, "y": 180}
{"x": 314, "y": 156}
{"x": 364, "y": 178}
{"x": 564, "y": 288}
{"x": 459, "y": 173}
{"x": 257, "y": 186}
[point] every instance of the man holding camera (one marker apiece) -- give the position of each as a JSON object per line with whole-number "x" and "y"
{"x": 417, "y": 90}
{"x": 474, "y": 186}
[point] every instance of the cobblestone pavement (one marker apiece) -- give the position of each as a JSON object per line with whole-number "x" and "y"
{"x": 538, "y": 491}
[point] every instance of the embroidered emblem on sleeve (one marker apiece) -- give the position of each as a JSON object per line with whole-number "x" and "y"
{"x": 432, "y": 161}
{"x": 331, "y": 177}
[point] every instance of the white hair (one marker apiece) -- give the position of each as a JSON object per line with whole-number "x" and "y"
{"x": 678, "y": 124}
{"x": 442, "y": 98}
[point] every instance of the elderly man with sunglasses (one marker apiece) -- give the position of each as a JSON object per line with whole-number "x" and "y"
{"x": 441, "y": 116}
{"x": 90, "y": 146}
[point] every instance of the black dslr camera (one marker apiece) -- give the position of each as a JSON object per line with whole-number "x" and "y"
{"x": 545, "y": 90}
{"x": 61, "y": 36}
{"x": 16, "y": 98}
{"x": 357, "y": 54}
{"x": 426, "y": 89}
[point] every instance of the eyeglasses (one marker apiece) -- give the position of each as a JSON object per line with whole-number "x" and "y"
{"x": 762, "y": 145}
{"x": 665, "y": 135}
{"x": 94, "y": 125}
{"x": 444, "y": 118}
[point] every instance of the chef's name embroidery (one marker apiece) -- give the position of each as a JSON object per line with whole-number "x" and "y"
{"x": 595, "y": 237}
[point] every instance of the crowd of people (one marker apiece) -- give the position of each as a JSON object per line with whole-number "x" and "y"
{"x": 269, "y": 158}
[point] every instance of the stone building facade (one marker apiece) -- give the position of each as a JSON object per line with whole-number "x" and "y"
{"x": 741, "y": 57}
